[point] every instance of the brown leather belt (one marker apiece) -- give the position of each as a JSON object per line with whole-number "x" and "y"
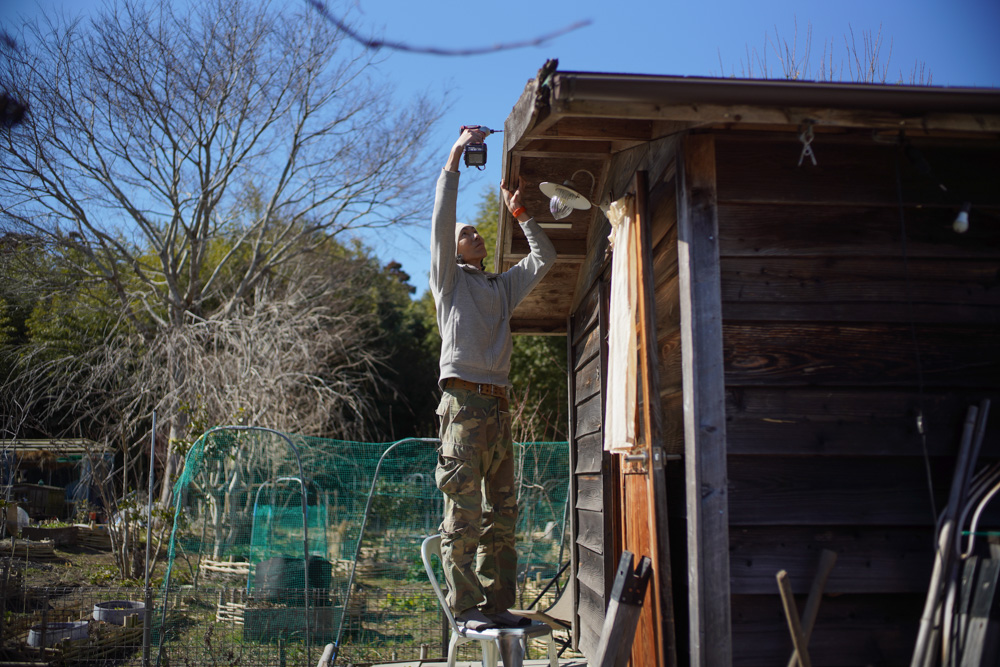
{"x": 488, "y": 389}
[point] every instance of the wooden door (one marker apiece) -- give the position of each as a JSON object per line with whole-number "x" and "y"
{"x": 643, "y": 509}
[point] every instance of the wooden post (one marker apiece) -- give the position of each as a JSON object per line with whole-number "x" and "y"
{"x": 704, "y": 405}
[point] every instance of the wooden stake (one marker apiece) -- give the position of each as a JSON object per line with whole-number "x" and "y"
{"x": 792, "y": 616}
{"x": 827, "y": 560}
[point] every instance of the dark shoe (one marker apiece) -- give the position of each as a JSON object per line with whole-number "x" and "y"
{"x": 475, "y": 620}
{"x": 506, "y": 619}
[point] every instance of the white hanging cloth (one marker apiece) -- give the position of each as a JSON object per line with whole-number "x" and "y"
{"x": 620, "y": 407}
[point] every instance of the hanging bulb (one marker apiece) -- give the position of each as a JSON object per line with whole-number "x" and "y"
{"x": 559, "y": 207}
{"x": 563, "y": 199}
{"x": 961, "y": 224}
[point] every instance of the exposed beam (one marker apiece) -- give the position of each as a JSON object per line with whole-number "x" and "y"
{"x": 557, "y": 155}
{"x": 596, "y": 129}
{"x": 559, "y": 147}
{"x": 566, "y": 249}
{"x": 725, "y": 114}
{"x": 538, "y": 326}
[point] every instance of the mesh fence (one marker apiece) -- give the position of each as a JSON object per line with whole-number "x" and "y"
{"x": 282, "y": 544}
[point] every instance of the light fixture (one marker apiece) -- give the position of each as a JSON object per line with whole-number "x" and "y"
{"x": 961, "y": 224}
{"x": 563, "y": 199}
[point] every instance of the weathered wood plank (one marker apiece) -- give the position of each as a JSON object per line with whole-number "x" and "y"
{"x": 590, "y": 493}
{"x": 704, "y": 423}
{"x": 569, "y": 247}
{"x": 556, "y": 147}
{"x": 587, "y": 348}
{"x": 860, "y": 354}
{"x": 665, "y": 272}
{"x": 859, "y": 289}
{"x": 546, "y": 302}
{"x": 600, "y": 128}
{"x": 736, "y": 116}
{"x": 772, "y": 230}
{"x": 591, "y": 531}
{"x": 646, "y": 510}
{"x": 671, "y": 358}
{"x": 585, "y": 316}
{"x": 591, "y": 605}
{"x": 882, "y": 559}
{"x": 947, "y": 313}
{"x": 850, "y": 630}
{"x": 766, "y": 490}
{"x": 847, "y": 421}
{"x": 672, "y": 407}
{"x": 589, "y": 415}
{"x": 863, "y": 173}
{"x": 589, "y": 454}
{"x": 860, "y": 280}
{"x": 574, "y": 440}
{"x": 588, "y": 379}
{"x": 638, "y": 539}
{"x": 663, "y": 208}
{"x": 591, "y": 570}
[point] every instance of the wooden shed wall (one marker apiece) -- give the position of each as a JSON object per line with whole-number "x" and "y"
{"x": 849, "y": 307}
{"x": 597, "y": 482}
{"x": 592, "y": 470}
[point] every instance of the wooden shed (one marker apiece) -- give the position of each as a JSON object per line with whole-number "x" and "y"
{"x": 811, "y": 331}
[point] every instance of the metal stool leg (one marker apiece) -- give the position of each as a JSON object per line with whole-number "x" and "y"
{"x": 512, "y": 648}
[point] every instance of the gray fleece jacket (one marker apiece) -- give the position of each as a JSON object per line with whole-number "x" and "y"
{"x": 474, "y": 307}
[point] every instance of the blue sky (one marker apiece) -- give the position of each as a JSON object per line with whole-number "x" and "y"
{"x": 955, "y": 40}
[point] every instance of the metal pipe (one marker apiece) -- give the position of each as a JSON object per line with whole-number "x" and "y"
{"x": 173, "y": 533}
{"x": 361, "y": 534}
{"x": 926, "y": 643}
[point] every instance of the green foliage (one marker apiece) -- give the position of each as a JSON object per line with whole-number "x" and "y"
{"x": 538, "y": 373}
{"x": 410, "y": 346}
{"x": 411, "y": 603}
{"x": 487, "y": 216}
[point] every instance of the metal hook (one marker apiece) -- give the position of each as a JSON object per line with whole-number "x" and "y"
{"x": 806, "y": 136}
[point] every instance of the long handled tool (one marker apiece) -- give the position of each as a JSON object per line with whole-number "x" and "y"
{"x": 827, "y": 560}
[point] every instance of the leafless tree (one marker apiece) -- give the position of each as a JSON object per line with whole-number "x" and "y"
{"x": 184, "y": 161}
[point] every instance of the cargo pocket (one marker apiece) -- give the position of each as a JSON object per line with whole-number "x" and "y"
{"x": 442, "y": 412}
{"x": 457, "y": 471}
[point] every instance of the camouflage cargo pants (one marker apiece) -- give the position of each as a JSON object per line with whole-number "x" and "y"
{"x": 475, "y": 471}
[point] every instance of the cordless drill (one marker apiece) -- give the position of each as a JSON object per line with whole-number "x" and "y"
{"x": 475, "y": 153}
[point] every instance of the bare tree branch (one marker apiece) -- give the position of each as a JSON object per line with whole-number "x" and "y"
{"x": 372, "y": 43}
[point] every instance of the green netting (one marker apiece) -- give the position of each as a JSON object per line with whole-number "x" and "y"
{"x": 242, "y": 525}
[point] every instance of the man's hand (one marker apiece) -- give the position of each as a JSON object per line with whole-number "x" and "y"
{"x": 467, "y": 137}
{"x": 513, "y": 201}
